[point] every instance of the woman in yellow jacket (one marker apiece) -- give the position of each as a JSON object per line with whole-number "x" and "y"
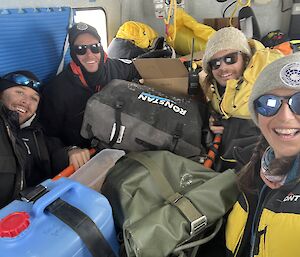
{"x": 231, "y": 64}
{"x": 266, "y": 219}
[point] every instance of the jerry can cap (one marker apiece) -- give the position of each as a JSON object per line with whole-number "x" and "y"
{"x": 13, "y": 224}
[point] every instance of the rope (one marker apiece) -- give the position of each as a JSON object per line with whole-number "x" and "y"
{"x": 239, "y": 3}
{"x": 172, "y": 7}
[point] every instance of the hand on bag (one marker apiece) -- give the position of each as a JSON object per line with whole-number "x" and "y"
{"x": 78, "y": 157}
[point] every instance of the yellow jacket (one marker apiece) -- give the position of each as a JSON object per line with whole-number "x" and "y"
{"x": 277, "y": 231}
{"x": 234, "y": 102}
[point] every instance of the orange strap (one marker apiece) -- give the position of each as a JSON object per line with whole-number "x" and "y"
{"x": 70, "y": 169}
{"x": 77, "y": 71}
{"x": 211, "y": 155}
{"x": 285, "y": 48}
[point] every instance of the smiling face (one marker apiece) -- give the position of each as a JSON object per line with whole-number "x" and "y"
{"x": 228, "y": 71}
{"x": 90, "y": 61}
{"x": 282, "y": 130}
{"x": 21, "y": 99}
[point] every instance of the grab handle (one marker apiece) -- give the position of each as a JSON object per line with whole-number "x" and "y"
{"x": 61, "y": 188}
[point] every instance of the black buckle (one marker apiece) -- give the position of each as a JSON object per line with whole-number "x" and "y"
{"x": 33, "y": 193}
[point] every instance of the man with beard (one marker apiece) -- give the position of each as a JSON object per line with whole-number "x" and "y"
{"x": 65, "y": 98}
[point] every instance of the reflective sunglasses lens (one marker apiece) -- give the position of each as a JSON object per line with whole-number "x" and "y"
{"x": 80, "y": 50}
{"x": 267, "y": 105}
{"x": 228, "y": 59}
{"x": 294, "y": 103}
{"x": 95, "y": 48}
{"x": 215, "y": 64}
{"x": 22, "y": 80}
{"x": 231, "y": 58}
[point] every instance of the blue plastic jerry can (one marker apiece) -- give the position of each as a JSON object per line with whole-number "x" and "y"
{"x": 28, "y": 230}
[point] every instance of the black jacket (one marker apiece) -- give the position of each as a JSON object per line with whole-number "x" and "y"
{"x": 238, "y": 141}
{"x": 46, "y": 156}
{"x": 65, "y": 98}
{"x": 12, "y": 157}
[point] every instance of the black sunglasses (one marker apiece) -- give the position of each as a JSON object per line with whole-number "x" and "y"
{"x": 21, "y": 79}
{"x": 81, "y": 49}
{"x": 228, "y": 59}
{"x": 269, "y": 105}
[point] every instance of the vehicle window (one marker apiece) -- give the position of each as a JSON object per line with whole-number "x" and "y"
{"x": 96, "y": 18}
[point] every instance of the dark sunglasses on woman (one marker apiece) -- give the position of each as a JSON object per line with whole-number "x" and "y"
{"x": 228, "y": 59}
{"x": 269, "y": 105}
{"x": 82, "y": 49}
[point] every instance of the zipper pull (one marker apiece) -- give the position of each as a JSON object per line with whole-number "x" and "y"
{"x": 255, "y": 246}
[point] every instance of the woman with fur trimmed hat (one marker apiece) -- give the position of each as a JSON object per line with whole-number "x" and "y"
{"x": 65, "y": 98}
{"x": 29, "y": 157}
{"x": 266, "y": 219}
{"x": 231, "y": 64}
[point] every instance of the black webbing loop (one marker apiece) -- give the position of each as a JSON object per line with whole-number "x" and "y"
{"x": 83, "y": 226}
{"x": 176, "y": 136}
{"x": 118, "y": 106}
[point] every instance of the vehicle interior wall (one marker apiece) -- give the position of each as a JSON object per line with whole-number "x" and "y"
{"x": 112, "y": 9}
{"x": 269, "y": 15}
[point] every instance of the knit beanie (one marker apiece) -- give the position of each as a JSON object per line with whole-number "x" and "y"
{"x": 80, "y": 28}
{"x": 282, "y": 73}
{"x": 20, "y": 78}
{"x": 225, "y": 39}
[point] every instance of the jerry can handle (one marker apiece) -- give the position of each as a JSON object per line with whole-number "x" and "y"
{"x": 40, "y": 205}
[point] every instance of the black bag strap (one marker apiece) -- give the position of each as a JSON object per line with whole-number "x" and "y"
{"x": 197, "y": 220}
{"x": 83, "y": 226}
{"x": 176, "y": 136}
{"x": 118, "y": 108}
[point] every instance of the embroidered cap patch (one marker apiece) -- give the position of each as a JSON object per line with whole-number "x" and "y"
{"x": 82, "y": 26}
{"x": 290, "y": 74}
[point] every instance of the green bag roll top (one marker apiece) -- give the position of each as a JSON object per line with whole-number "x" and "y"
{"x": 161, "y": 200}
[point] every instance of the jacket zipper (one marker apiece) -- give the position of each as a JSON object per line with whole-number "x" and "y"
{"x": 236, "y": 250}
{"x": 255, "y": 234}
{"x": 13, "y": 140}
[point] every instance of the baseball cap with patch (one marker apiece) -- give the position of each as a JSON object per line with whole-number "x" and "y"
{"x": 80, "y": 28}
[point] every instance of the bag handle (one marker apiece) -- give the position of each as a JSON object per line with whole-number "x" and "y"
{"x": 197, "y": 220}
{"x": 164, "y": 186}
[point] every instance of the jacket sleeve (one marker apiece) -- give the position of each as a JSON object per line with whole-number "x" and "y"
{"x": 52, "y": 110}
{"x": 122, "y": 69}
{"x": 58, "y": 154}
{"x": 8, "y": 167}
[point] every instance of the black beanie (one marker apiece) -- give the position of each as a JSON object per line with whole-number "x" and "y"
{"x": 11, "y": 80}
{"x": 80, "y": 28}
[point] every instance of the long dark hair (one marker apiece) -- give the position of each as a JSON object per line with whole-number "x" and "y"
{"x": 248, "y": 176}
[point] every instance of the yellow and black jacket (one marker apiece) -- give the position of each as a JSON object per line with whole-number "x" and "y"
{"x": 239, "y": 130}
{"x": 234, "y": 102}
{"x": 274, "y": 220}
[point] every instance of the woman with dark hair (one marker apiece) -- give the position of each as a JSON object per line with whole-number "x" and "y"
{"x": 266, "y": 219}
{"x": 231, "y": 64}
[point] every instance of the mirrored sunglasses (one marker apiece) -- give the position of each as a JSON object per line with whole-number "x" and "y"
{"x": 269, "y": 105}
{"x": 82, "y": 49}
{"x": 228, "y": 59}
{"x": 21, "y": 79}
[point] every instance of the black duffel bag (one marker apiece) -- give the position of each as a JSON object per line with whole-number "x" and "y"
{"x": 133, "y": 117}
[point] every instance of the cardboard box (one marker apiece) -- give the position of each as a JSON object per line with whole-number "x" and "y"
{"x": 218, "y": 23}
{"x": 168, "y": 75}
